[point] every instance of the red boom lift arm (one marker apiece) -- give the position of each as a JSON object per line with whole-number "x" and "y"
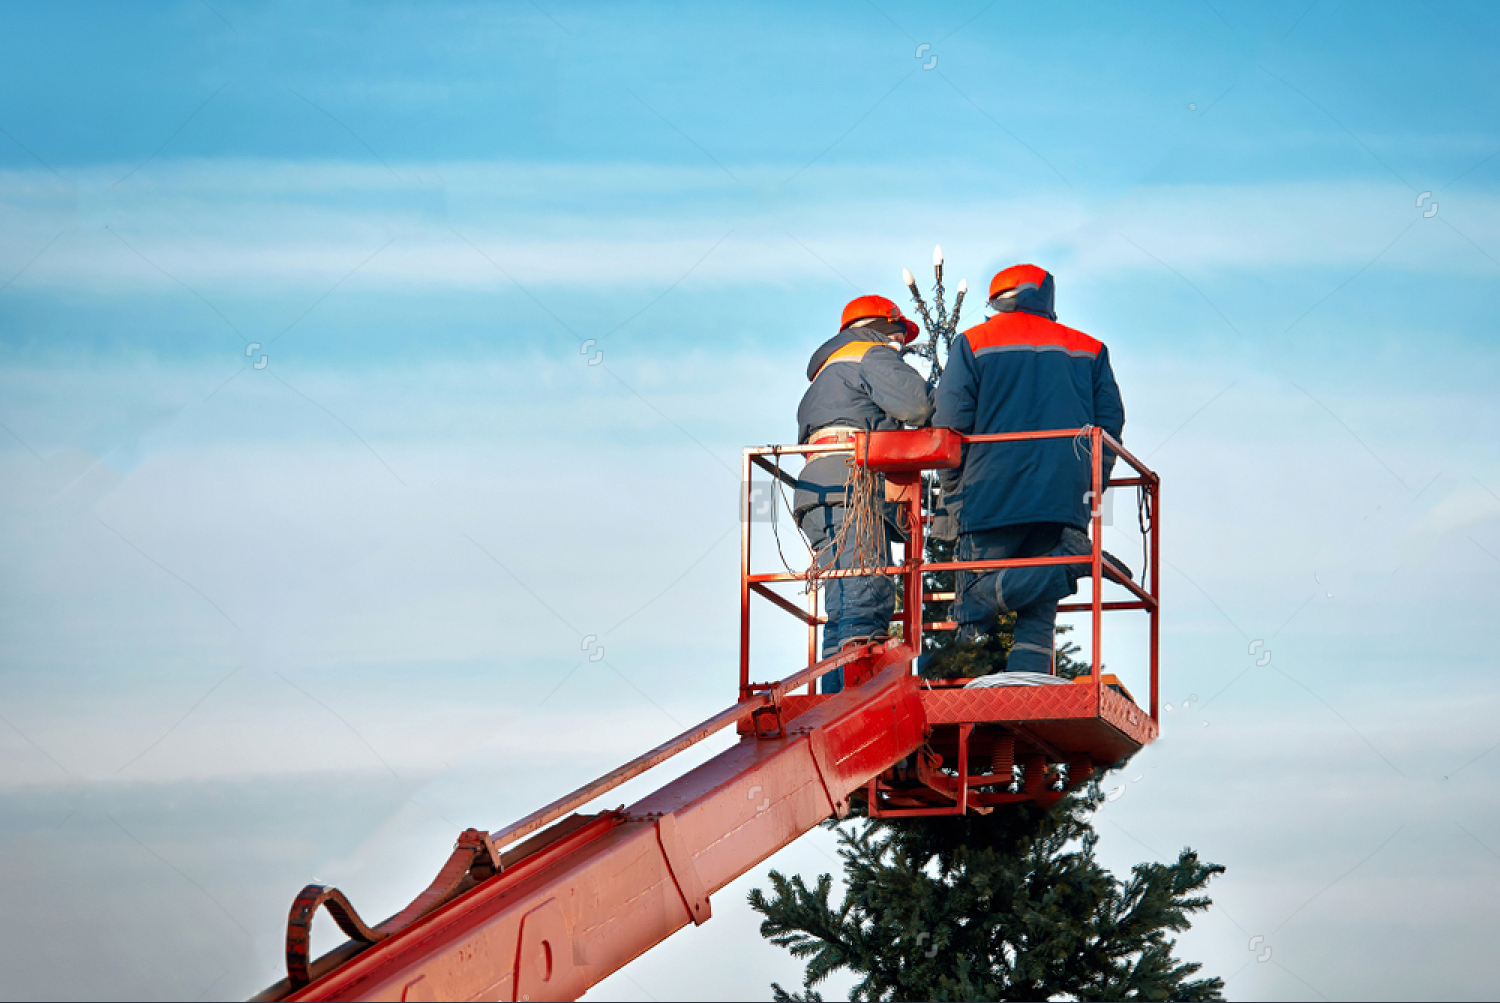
{"x": 549, "y": 906}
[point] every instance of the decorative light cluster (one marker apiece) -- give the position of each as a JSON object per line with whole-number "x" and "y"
{"x": 941, "y": 326}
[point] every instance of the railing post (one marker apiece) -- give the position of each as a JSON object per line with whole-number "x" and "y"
{"x": 915, "y": 556}
{"x": 745, "y": 575}
{"x": 1155, "y": 489}
{"x": 1096, "y": 497}
{"x": 964, "y": 731}
{"x": 812, "y": 635}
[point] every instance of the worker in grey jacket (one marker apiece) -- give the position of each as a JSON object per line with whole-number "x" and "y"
{"x": 859, "y": 384}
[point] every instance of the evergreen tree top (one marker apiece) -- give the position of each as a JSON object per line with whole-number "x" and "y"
{"x": 1007, "y": 906}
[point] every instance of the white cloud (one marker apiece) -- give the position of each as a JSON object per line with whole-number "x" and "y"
{"x": 260, "y": 226}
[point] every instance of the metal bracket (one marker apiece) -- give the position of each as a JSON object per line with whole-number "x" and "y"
{"x": 773, "y": 708}
{"x": 862, "y": 669}
{"x": 546, "y": 966}
{"x": 684, "y": 874}
{"x": 817, "y": 744}
{"x": 487, "y": 862}
{"x": 957, "y": 787}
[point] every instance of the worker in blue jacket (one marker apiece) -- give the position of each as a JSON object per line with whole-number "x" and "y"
{"x": 1021, "y": 371}
{"x": 859, "y": 383}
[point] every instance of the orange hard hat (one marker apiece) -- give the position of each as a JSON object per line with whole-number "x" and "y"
{"x": 1016, "y": 276}
{"x": 877, "y": 308}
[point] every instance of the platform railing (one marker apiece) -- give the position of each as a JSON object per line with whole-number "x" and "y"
{"x": 1145, "y": 596}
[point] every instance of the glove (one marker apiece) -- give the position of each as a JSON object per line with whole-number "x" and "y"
{"x": 945, "y": 510}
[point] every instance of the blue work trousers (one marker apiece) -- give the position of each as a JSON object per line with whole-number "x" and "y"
{"x": 855, "y": 607}
{"x": 1031, "y": 594}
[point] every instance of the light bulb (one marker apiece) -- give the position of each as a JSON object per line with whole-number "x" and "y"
{"x": 937, "y": 254}
{"x": 908, "y": 277}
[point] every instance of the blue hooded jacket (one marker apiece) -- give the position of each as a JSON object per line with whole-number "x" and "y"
{"x": 1021, "y": 371}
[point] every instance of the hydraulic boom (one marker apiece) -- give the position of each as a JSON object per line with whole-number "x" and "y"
{"x": 551, "y": 905}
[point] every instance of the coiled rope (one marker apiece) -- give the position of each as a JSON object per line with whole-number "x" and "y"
{"x": 862, "y": 530}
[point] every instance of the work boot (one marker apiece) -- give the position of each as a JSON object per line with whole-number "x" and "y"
{"x": 1124, "y": 568}
{"x": 1076, "y": 543}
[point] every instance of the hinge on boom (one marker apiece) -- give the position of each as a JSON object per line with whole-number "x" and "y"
{"x": 487, "y": 862}
{"x": 774, "y": 709}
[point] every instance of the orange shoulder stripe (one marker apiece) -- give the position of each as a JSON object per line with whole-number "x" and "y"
{"x": 852, "y": 352}
{"x": 1021, "y": 331}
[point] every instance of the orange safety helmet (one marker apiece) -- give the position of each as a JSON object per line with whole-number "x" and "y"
{"x": 877, "y": 308}
{"x": 1017, "y": 277}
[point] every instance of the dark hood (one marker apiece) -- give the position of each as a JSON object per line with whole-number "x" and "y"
{"x": 1031, "y": 298}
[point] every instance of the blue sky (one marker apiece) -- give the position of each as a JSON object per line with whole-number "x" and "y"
{"x": 323, "y": 611}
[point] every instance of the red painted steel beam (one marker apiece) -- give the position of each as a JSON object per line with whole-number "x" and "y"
{"x": 990, "y": 564}
{"x": 775, "y": 471}
{"x": 549, "y": 929}
{"x": 786, "y": 605}
{"x": 766, "y": 696}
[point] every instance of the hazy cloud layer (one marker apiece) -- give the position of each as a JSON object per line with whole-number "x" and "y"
{"x": 248, "y": 225}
